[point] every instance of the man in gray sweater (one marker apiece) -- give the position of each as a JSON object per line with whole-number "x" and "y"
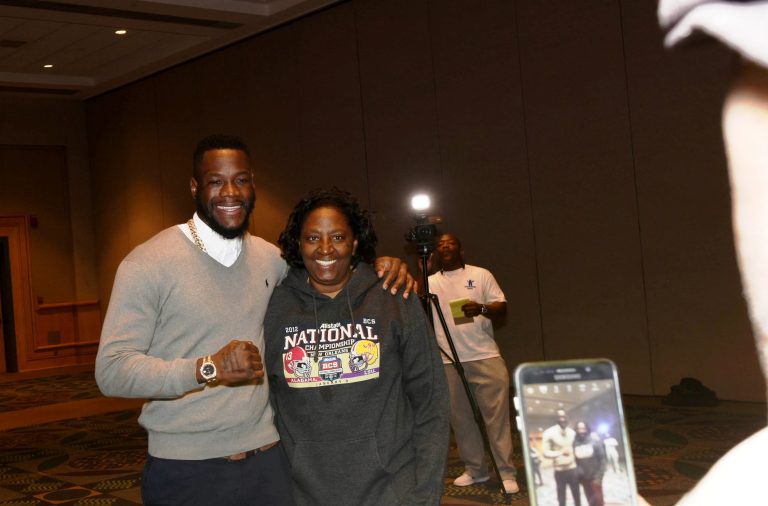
{"x": 184, "y": 329}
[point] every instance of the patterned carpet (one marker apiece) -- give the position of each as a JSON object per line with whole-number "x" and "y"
{"x": 48, "y": 390}
{"x": 97, "y": 460}
{"x": 83, "y": 461}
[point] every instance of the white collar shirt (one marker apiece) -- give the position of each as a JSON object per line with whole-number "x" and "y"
{"x": 225, "y": 251}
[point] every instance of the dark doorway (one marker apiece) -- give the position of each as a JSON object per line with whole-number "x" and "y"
{"x": 6, "y": 308}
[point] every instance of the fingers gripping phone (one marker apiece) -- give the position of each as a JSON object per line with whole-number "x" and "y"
{"x": 575, "y": 443}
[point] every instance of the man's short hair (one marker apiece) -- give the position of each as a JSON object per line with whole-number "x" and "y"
{"x": 216, "y": 141}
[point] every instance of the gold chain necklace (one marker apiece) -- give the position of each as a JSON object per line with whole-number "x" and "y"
{"x": 195, "y": 237}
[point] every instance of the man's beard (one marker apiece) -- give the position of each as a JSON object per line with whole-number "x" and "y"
{"x": 206, "y": 214}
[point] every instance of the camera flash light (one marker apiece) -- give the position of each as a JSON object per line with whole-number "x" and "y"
{"x": 420, "y": 202}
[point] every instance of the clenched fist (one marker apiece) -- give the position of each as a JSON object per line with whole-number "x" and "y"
{"x": 236, "y": 362}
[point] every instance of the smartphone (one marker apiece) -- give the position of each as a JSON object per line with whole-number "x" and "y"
{"x": 575, "y": 441}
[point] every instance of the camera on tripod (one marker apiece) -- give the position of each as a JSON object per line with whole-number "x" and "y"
{"x": 424, "y": 231}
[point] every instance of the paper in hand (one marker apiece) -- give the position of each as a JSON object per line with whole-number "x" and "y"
{"x": 456, "y": 304}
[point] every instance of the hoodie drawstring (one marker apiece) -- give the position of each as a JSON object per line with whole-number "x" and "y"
{"x": 314, "y": 307}
{"x": 351, "y": 314}
{"x": 317, "y": 323}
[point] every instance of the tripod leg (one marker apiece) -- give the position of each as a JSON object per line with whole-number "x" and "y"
{"x": 430, "y": 297}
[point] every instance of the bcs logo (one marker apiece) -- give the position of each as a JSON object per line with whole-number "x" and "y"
{"x": 329, "y": 368}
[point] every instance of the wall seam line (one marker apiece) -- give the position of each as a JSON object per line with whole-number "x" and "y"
{"x": 637, "y": 201}
{"x": 530, "y": 183}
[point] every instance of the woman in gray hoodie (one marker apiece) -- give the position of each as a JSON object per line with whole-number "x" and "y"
{"x": 355, "y": 377}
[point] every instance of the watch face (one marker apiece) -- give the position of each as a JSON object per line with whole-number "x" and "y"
{"x": 208, "y": 370}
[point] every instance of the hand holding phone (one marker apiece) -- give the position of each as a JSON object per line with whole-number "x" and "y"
{"x": 576, "y": 448}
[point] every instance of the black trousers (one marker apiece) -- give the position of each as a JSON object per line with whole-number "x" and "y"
{"x": 263, "y": 479}
{"x": 570, "y": 478}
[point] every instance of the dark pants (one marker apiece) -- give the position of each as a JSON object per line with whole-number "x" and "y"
{"x": 537, "y": 473}
{"x": 263, "y": 479}
{"x": 593, "y": 489}
{"x": 568, "y": 477}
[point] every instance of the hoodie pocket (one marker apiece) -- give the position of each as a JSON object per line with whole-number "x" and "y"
{"x": 347, "y": 472}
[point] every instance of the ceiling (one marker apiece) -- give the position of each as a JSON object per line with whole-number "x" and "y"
{"x": 77, "y": 37}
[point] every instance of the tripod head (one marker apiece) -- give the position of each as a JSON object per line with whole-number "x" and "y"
{"x": 423, "y": 234}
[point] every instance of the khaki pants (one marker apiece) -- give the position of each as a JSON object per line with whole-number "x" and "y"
{"x": 489, "y": 381}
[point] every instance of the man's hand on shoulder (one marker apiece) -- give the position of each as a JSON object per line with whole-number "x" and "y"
{"x": 395, "y": 274}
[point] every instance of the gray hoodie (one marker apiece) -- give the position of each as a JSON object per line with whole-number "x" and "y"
{"x": 359, "y": 393}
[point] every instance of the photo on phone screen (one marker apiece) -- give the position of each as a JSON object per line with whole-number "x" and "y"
{"x": 575, "y": 441}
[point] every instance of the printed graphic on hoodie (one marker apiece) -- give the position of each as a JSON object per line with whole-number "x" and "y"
{"x": 334, "y": 354}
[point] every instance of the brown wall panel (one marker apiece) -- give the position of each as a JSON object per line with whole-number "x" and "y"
{"x": 483, "y": 157}
{"x": 178, "y": 130}
{"x": 224, "y": 101}
{"x": 584, "y": 198}
{"x": 273, "y": 132}
{"x": 400, "y": 113}
{"x": 698, "y": 323}
{"x": 143, "y": 188}
{"x": 108, "y": 118}
{"x": 330, "y": 117}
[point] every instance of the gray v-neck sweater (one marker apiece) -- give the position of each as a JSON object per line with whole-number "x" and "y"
{"x": 171, "y": 304}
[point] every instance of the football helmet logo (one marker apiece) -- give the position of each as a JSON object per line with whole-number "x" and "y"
{"x": 296, "y": 362}
{"x": 363, "y": 354}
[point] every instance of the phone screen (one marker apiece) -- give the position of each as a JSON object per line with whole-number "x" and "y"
{"x": 574, "y": 435}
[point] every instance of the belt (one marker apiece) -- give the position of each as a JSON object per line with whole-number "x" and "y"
{"x": 250, "y": 453}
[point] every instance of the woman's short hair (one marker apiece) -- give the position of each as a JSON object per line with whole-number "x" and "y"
{"x": 359, "y": 221}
